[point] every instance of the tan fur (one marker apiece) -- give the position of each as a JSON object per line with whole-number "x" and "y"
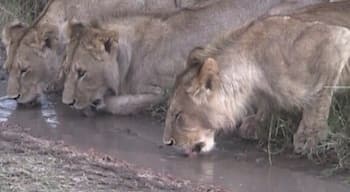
{"x": 148, "y": 55}
{"x": 286, "y": 62}
{"x": 334, "y": 14}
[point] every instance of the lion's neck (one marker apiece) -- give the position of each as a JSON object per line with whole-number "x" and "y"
{"x": 236, "y": 93}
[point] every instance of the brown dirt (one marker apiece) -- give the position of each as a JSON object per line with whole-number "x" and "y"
{"x": 2, "y": 60}
{"x": 31, "y": 164}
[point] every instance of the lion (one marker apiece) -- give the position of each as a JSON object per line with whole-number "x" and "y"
{"x": 282, "y": 62}
{"x": 331, "y": 13}
{"x": 35, "y": 53}
{"x": 122, "y": 67}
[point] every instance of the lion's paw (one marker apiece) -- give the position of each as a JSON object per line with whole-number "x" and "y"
{"x": 306, "y": 142}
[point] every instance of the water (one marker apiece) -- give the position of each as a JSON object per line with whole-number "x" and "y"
{"x": 234, "y": 165}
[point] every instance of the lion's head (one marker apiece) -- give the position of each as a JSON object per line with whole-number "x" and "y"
{"x": 28, "y": 59}
{"x": 190, "y": 122}
{"x": 91, "y": 64}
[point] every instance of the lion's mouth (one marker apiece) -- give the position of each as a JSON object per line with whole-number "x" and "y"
{"x": 195, "y": 150}
{"x": 96, "y": 103}
{"x": 30, "y": 104}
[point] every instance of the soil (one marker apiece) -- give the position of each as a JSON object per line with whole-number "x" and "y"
{"x": 3, "y": 75}
{"x": 32, "y": 164}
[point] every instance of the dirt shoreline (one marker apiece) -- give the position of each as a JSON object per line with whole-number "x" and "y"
{"x": 31, "y": 164}
{"x": 3, "y": 75}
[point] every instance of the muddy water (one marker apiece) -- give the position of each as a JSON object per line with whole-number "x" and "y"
{"x": 138, "y": 141}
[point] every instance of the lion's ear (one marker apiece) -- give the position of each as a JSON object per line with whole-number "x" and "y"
{"x": 195, "y": 57}
{"x": 13, "y": 31}
{"x": 109, "y": 40}
{"x": 47, "y": 36}
{"x": 119, "y": 53}
{"x": 72, "y": 30}
{"x": 205, "y": 82}
{"x": 11, "y": 36}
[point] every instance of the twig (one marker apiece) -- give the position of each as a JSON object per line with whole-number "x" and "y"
{"x": 269, "y": 142}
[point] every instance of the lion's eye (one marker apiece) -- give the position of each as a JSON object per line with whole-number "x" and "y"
{"x": 177, "y": 116}
{"x": 24, "y": 70}
{"x": 81, "y": 73}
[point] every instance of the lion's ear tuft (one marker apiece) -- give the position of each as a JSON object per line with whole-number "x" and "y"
{"x": 205, "y": 82}
{"x": 13, "y": 31}
{"x": 208, "y": 73}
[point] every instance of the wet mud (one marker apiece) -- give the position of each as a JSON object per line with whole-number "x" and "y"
{"x": 234, "y": 165}
{"x": 3, "y": 75}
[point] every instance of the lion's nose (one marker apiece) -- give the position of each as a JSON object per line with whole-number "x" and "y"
{"x": 170, "y": 142}
{"x": 72, "y": 103}
{"x": 15, "y": 97}
{"x": 97, "y": 102}
{"x": 198, "y": 147}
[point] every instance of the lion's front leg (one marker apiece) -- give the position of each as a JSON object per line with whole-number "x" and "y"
{"x": 250, "y": 125}
{"x": 313, "y": 126}
{"x": 130, "y": 104}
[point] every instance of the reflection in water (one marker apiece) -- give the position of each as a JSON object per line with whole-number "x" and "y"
{"x": 47, "y": 109}
{"x": 48, "y": 112}
{"x": 7, "y": 106}
{"x": 207, "y": 170}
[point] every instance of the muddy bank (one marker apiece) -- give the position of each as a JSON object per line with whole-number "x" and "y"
{"x": 30, "y": 164}
{"x": 2, "y": 61}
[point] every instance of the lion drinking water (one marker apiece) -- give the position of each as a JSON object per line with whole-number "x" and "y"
{"x": 284, "y": 61}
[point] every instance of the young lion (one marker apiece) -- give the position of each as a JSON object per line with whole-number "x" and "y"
{"x": 284, "y": 61}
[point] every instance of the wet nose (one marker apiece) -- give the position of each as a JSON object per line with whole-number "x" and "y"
{"x": 97, "y": 102}
{"x": 198, "y": 147}
{"x": 15, "y": 97}
{"x": 169, "y": 142}
{"x": 72, "y": 103}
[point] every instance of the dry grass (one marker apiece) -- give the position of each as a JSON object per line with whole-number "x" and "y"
{"x": 334, "y": 150}
{"x": 24, "y": 10}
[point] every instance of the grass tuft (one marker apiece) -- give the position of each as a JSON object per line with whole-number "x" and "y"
{"x": 23, "y": 10}
{"x": 334, "y": 150}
